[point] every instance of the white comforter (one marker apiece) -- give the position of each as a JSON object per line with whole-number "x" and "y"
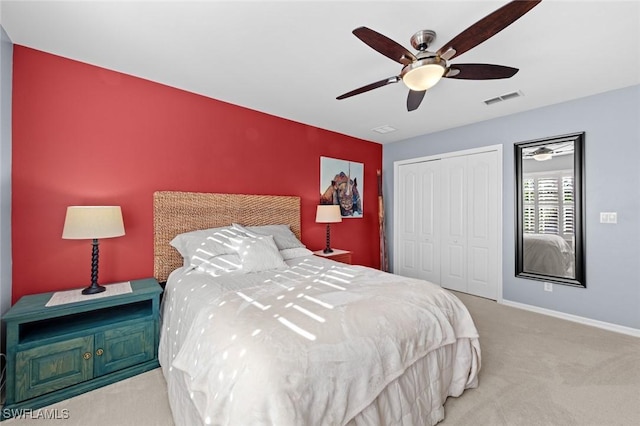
{"x": 311, "y": 345}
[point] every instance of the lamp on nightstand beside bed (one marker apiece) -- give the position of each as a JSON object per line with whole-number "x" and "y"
{"x": 328, "y": 214}
{"x": 91, "y": 223}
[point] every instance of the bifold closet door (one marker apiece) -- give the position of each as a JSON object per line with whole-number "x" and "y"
{"x": 482, "y": 224}
{"x": 418, "y": 248}
{"x": 447, "y": 222}
{"x": 454, "y": 223}
{"x": 470, "y": 224}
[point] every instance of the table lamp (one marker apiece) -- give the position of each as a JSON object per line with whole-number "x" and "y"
{"x": 91, "y": 223}
{"x": 329, "y": 213}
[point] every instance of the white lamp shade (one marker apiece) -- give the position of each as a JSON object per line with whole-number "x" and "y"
{"x": 89, "y": 222}
{"x": 329, "y": 213}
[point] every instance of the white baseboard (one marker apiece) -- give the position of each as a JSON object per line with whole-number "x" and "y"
{"x": 575, "y": 318}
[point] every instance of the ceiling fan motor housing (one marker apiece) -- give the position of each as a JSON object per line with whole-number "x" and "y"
{"x": 422, "y": 39}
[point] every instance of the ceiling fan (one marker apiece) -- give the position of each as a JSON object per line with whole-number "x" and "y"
{"x": 424, "y": 69}
{"x": 547, "y": 152}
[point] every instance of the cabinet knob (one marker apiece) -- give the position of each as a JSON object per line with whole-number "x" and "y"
{"x": 99, "y": 352}
{"x": 86, "y": 355}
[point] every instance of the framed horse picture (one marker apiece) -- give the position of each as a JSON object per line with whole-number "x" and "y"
{"x": 342, "y": 183}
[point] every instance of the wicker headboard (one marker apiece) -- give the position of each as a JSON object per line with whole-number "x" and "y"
{"x": 178, "y": 212}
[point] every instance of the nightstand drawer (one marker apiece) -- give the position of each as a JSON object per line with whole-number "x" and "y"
{"x": 342, "y": 257}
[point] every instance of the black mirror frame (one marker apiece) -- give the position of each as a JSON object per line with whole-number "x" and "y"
{"x": 579, "y": 210}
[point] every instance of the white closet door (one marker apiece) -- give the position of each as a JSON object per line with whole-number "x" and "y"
{"x": 482, "y": 224}
{"x": 454, "y": 223}
{"x": 447, "y": 228}
{"x": 418, "y": 240}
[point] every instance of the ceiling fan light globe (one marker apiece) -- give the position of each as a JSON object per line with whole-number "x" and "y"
{"x": 423, "y": 74}
{"x": 542, "y": 157}
{"x": 543, "y": 154}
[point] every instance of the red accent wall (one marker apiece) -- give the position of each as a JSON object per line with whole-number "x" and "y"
{"x": 84, "y": 135}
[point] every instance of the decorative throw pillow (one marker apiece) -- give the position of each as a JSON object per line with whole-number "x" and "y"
{"x": 218, "y": 265}
{"x": 259, "y": 253}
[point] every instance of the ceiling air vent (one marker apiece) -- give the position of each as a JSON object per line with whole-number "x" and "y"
{"x": 504, "y": 97}
{"x": 384, "y": 129}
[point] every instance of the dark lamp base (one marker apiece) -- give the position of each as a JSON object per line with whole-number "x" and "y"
{"x": 93, "y": 289}
{"x": 327, "y": 247}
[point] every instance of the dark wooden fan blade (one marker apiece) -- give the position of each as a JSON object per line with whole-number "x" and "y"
{"x": 415, "y": 99}
{"x": 479, "y": 72}
{"x": 384, "y": 45}
{"x": 486, "y": 28}
{"x": 370, "y": 87}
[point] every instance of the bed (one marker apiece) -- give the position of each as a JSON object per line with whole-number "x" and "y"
{"x": 548, "y": 254}
{"x": 300, "y": 340}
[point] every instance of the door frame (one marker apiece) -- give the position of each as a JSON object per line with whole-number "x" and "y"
{"x": 396, "y": 190}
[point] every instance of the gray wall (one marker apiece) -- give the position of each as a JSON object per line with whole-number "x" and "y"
{"x": 6, "y": 61}
{"x": 611, "y": 122}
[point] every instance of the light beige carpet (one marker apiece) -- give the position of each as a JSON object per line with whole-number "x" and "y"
{"x": 536, "y": 370}
{"x": 540, "y": 370}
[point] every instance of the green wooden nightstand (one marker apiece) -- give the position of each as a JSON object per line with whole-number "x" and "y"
{"x": 61, "y": 351}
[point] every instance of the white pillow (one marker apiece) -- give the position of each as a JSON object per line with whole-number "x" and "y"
{"x": 198, "y": 246}
{"x": 259, "y": 254}
{"x": 282, "y": 234}
{"x": 292, "y": 253}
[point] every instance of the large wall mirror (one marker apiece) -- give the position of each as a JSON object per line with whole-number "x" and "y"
{"x": 549, "y": 209}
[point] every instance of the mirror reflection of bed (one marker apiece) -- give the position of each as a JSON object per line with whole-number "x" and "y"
{"x": 548, "y": 254}
{"x": 258, "y": 330}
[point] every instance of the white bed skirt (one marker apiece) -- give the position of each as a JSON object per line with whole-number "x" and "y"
{"x": 415, "y": 398}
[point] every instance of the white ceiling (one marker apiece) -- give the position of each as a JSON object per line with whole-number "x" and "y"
{"x": 292, "y": 58}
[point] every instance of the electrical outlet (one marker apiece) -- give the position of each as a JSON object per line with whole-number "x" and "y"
{"x": 548, "y": 287}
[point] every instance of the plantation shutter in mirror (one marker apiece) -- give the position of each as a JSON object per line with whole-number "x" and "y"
{"x": 529, "y": 199}
{"x": 567, "y": 205}
{"x": 548, "y": 204}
